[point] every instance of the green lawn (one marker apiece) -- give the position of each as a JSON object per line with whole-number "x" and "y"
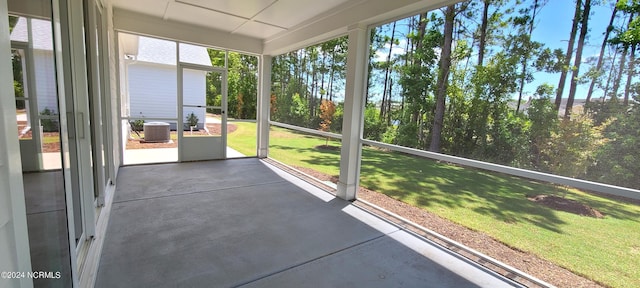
{"x": 51, "y": 139}
{"x": 243, "y": 139}
{"x": 605, "y": 250}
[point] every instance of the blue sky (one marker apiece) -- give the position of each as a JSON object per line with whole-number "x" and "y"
{"x": 553, "y": 29}
{"x": 553, "y": 24}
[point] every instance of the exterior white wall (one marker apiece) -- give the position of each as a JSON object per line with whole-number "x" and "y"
{"x": 153, "y": 91}
{"x": 45, "y": 81}
{"x": 14, "y": 243}
{"x": 194, "y": 93}
{"x": 113, "y": 82}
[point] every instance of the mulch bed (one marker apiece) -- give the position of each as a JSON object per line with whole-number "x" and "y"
{"x": 523, "y": 261}
{"x": 46, "y": 147}
{"x": 566, "y": 205}
{"x": 328, "y": 147}
{"x": 214, "y": 129}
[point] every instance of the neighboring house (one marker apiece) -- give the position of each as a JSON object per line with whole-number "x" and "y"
{"x": 578, "y": 105}
{"x": 151, "y": 69}
{"x": 151, "y": 77}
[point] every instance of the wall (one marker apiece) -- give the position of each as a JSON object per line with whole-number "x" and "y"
{"x": 113, "y": 86}
{"x": 153, "y": 91}
{"x": 195, "y": 85}
{"x": 45, "y": 80}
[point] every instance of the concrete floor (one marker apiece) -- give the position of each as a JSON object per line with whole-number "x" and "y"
{"x": 47, "y": 226}
{"x": 243, "y": 223}
{"x": 162, "y": 155}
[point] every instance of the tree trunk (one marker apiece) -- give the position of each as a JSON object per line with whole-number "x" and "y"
{"x": 303, "y": 65}
{"x": 422, "y": 26}
{"x": 312, "y": 110}
{"x": 610, "y": 78}
{"x": 388, "y": 112}
{"x": 331, "y": 73}
{"x": 602, "y": 50}
{"x": 322, "y": 70}
{"x": 483, "y": 32}
{"x": 630, "y": 75}
{"x": 567, "y": 58}
{"x": 445, "y": 66}
{"x": 409, "y": 49}
{"x": 623, "y": 59}
{"x": 386, "y": 73}
{"x": 525, "y": 59}
{"x": 616, "y": 81}
{"x": 576, "y": 71}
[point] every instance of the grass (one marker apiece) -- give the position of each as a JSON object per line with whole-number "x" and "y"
{"x": 51, "y": 139}
{"x": 46, "y": 139}
{"x": 243, "y": 139}
{"x": 605, "y": 250}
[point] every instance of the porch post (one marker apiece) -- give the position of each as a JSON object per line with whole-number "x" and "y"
{"x": 264, "y": 105}
{"x": 351, "y": 150}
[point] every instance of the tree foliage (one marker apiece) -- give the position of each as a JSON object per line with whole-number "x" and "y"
{"x": 457, "y": 80}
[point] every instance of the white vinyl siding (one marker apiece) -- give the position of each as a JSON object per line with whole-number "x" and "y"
{"x": 153, "y": 91}
{"x": 195, "y": 86}
{"x": 45, "y": 81}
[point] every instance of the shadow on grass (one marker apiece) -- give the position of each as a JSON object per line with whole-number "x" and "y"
{"x": 431, "y": 184}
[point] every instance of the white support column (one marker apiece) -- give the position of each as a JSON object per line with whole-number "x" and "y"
{"x": 351, "y": 151}
{"x": 264, "y": 105}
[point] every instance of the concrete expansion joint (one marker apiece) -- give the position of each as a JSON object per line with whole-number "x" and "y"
{"x": 199, "y": 192}
{"x": 319, "y": 258}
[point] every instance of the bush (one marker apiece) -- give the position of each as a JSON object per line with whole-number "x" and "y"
{"x": 49, "y": 125}
{"x": 192, "y": 120}
{"x": 137, "y": 125}
{"x": 374, "y": 127}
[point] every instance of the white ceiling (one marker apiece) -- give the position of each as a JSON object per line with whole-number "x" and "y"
{"x": 260, "y": 19}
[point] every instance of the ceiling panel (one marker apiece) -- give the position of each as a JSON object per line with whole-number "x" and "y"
{"x": 288, "y": 13}
{"x": 202, "y": 17}
{"x": 258, "y": 30}
{"x": 265, "y": 19}
{"x": 149, "y": 7}
{"x": 243, "y": 8}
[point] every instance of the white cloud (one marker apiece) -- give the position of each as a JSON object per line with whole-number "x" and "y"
{"x": 382, "y": 53}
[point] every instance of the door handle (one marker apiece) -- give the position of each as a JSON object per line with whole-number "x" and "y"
{"x": 71, "y": 125}
{"x": 80, "y": 125}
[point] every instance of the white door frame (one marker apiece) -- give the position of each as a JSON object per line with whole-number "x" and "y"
{"x": 71, "y": 76}
{"x": 182, "y": 150}
{"x": 100, "y": 111}
{"x": 33, "y": 156}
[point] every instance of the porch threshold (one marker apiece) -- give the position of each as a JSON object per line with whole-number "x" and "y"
{"x": 246, "y": 223}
